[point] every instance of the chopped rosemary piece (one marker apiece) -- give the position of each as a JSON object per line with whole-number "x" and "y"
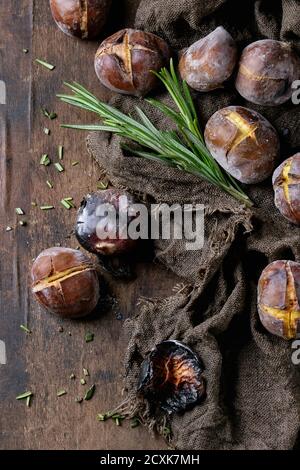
{"x": 66, "y": 204}
{"x": 59, "y": 167}
{"x": 83, "y": 381}
{"x": 24, "y": 328}
{"x": 101, "y": 417}
{"x": 89, "y": 337}
{"x": 90, "y": 393}
{"x": 46, "y": 208}
{"x": 19, "y": 211}
{"x": 49, "y": 184}
{"x": 34, "y": 204}
{"x": 45, "y": 160}
{"x": 24, "y": 395}
{"x": 51, "y": 115}
{"x": 102, "y": 185}
{"x": 135, "y": 423}
{"x": 69, "y": 199}
{"x": 75, "y": 163}
{"x": 86, "y": 372}
{"x": 61, "y": 393}
{"x": 184, "y": 148}
{"x": 60, "y": 152}
{"x": 28, "y": 401}
{"x": 72, "y": 376}
{"x": 45, "y": 64}
{"x": 9, "y": 229}
{"x": 47, "y": 131}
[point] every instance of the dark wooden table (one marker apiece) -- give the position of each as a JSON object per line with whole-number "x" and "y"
{"x": 43, "y": 361}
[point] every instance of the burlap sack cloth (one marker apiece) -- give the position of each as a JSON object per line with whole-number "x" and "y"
{"x": 253, "y": 389}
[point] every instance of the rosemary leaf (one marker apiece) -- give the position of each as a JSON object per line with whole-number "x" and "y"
{"x": 60, "y": 152}
{"x": 24, "y": 395}
{"x": 90, "y": 393}
{"x": 61, "y": 393}
{"x": 45, "y": 64}
{"x": 89, "y": 337}
{"x": 24, "y": 328}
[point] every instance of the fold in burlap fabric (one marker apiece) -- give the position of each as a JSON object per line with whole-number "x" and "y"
{"x": 253, "y": 389}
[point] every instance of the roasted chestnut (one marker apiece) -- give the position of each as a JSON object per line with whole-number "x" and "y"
{"x": 171, "y": 377}
{"x": 126, "y": 60}
{"x": 65, "y": 282}
{"x": 266, "y": 72}
{"x": 286, "y": 184}
{"x": 209, "y": 62}
{"x": 279, "y": 298}
{"x": 82, "y": 18}
{"x": 243, "y": 142}
{"x": 103, "y": 220}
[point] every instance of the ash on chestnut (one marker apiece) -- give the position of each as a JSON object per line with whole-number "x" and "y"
{"x": 209, "y": 62}
{"x": 84, "y": 19}
{"x": 98, "y": 227}
{"x": 65, "y": 282}
{"x": 124, "y": 62}
{"x": 279, "y": 297}
{"x": 243, "y": 142}
{"x": 286, "y": 184}
{"x": 266, "y": 72}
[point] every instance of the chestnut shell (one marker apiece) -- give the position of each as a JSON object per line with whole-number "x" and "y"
{"x": 286, "y": 184}
{"x": 65, "y": 282}
{"x": 279, "y": 299}
{"x": 266, "y": 72}
{"x": 84, "y": 19}
{"x": 209, "y": 62}
{"x": 124, "y": 62}
{"x": 243, "y": 142}
{"x": 87, "y": 221}
{"x": 171, "y": 377}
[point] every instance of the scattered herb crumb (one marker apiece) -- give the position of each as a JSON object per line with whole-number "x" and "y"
{"x": 24, "y": 395}
{"x": 90, "y": 393}
{"x": 60, "y": 329}
{"x": 72, "y": 376}
{"x": 34, "y": 204}
{"x": 89, "y": 337}
{"x": 45, "y": 160}
{"x": 47, "y": 131}
{"x": 69, "y": 333}
{"x": 86, "y": 372}
{"x": 23, "y": 223}
{"x": 61, "y": 393}
{"x": 9, "y": 229}
{"x": 78, "y": 400}
{"x": 25, "y": 51}
{"x": 19, "y": 211}
{"x": 83, "y": 381}
{"x": 24, "y": 328}
{"x": 101, "y": 417}
{"x": 135, "y": 423}
{"x": 102, "y": 185}
{"x": 75, "y": 163}
{"x": 45, "y": 64}
{"x": 49, "y": 184}
{"x": 59, "y": 167}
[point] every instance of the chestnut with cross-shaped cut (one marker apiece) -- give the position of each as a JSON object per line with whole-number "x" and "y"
{"x": 125, "y": 61}
{"x": 279, "y": 299}
{"x": 286, "y": 184}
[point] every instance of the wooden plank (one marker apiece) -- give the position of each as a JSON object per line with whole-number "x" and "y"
{"x": 44, "y": 360}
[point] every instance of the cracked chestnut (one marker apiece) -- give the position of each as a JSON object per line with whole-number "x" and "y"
{"x": 171, "y": 377}
{"x": 124, "y": 62}
{"x": 65, "y": 282}
{"x": 266, "y": 72}
{"x": 81, "y": 18}
{"x": 243, "y": 142}
{"x": 279, "y": 299}
{"x": 209, "y": 62}
{"x": 103, "y": 221}
{"x": 286, "y": 184}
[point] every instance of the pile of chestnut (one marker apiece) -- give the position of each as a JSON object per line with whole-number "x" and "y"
{"x": 242, "y": 141}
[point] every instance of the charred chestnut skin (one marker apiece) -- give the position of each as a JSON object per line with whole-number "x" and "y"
{"x": 279, "y": 297}
{"x": 89, "y": 217}
{"x": 65, "y": 282}
{"x": 171, "y": 377}
{"x": 243, "y": 142}
{"x": 124, "y": 62}
{"x": 286, "y": 184}
{"x": 266, "y": 72}
{"x": 209, "y": 62}
{"x": 84, "y": 19}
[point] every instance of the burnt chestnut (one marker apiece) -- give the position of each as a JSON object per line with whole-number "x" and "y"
{"x": 99, "y": 228}
{"x": 209, "y": 62}
{"x": 171, "y": 377}
{"x": 81, "y": 18}
{"x": 65, "y": 282}
{"x": 286, "y": 184}
{"x": 243, "y": 142}
{"x": 266, "y": 72}
{"x": 124, "y": 62}
{"x": 279, "y": 299}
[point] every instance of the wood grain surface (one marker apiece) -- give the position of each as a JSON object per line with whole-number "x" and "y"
{"x": 43, "y": 361}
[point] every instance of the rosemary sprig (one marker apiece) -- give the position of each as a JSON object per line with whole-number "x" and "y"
{"x": 184, "y": 148}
